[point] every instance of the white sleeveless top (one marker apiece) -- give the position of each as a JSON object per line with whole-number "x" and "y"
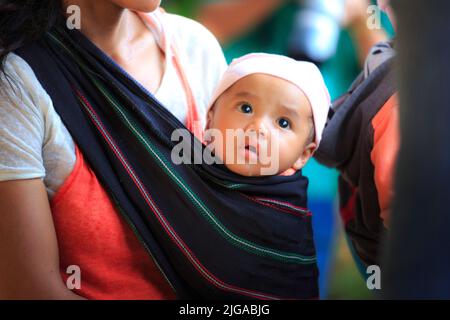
{"x": 34, "y": 143}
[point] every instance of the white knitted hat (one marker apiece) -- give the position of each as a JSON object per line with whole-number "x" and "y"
{"x": 304, "y": 75}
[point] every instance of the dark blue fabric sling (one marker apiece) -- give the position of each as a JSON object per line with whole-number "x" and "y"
{"x": 214, "y": 234}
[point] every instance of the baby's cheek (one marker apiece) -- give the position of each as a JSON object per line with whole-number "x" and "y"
{"x": 289, "y": 152}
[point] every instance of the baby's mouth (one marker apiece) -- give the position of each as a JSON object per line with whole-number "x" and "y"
{"x": 252, "y": 149}
{"x": 251, "y": 153}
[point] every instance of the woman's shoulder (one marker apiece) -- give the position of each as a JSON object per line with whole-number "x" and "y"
{"x": 192, "y": 36}
{"x": 19, "y": 83}
{"x": 22, "y": 122}
{"x": 189, "y": 29}
{"x": 32, "y": 136}
{"x": 18, "y": 69}
{"x": 201, "y": 55}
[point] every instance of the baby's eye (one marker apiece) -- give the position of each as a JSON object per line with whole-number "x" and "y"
{"x": 284, "y": 123}
{"x": 246, "y": 108}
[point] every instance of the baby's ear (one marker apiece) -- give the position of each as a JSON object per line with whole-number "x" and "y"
{"x": 305, "y": 156}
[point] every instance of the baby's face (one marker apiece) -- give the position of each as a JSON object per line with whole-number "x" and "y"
{"x": 276, "y": 118}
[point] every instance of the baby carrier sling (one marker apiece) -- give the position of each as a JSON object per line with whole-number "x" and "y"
{"x": 348, "y": 143}
{"x": 214, "y": 234}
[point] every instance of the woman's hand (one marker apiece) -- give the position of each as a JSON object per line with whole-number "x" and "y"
{"x": 29, "y": 260}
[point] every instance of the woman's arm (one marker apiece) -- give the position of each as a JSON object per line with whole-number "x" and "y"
{"x": 29, "y": 260}
{"x": 355, "y": 20}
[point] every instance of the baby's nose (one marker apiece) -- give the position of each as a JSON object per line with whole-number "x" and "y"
{"x": 260, "y": 127}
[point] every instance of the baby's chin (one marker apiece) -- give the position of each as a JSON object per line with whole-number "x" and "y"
{"x": 253, "y": 170}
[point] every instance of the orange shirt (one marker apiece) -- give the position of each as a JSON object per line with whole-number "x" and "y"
{"x": 93, "y": 236}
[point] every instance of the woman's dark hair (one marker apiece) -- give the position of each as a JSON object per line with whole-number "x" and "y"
{"x": 24, "y": 21}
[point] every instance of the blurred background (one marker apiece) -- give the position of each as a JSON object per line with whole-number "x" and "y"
{"x": 334, "y": 35}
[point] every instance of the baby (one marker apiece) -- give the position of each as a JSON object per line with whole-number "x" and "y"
{"x": 278, "y": 105}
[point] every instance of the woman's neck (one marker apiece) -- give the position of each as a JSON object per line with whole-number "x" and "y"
{"x": 106, "y": 24}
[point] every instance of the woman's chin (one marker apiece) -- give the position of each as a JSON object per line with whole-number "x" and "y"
{"x": 139, "y": 5}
